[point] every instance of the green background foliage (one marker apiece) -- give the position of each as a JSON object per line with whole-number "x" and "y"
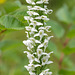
{"x": 12, "y": 33}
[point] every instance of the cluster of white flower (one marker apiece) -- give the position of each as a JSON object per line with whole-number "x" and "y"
{"x": 37, "y": 37}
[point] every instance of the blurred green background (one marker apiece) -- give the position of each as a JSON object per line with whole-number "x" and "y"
{"x": 12, "y": 33}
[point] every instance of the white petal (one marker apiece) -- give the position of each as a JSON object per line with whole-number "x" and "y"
{"x": 37, "y": 60}
{"x": 36, "y": 35}
{"x": 39, "y": 2}
{"x": 37, "y": 65}
{"x": 37, "y": 17}
{"x": 39, "y": 23}
{"x": 41, "y": 28}
{"x": 37, "y": 41}
{"x": 49, "y": 62}
{"x": 40, "y": 46}
{"x": 45, "y": 34}
{"x": 31, "y": 73}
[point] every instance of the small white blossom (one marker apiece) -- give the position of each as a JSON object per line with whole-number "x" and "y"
{"x": 34, "y": 41}
{"x": 45, "y": 28}
{"x": 30, "y": 2}
{"x": 45, "y": 72}
{"x": 32, "y": 73}
{"x": 46, "y": 58}
{"x": 45, "y": 44}
{"x": 28, "y": 43}
{"x": 31, "y": 57}
{"x": 39, "y": 52}
{"x": 48, "y": 11}
{"x": 32, "y": 13}
{"x": 31, "y": 67}
{"x": 45, "y": 61}
{"x": 29, "y": 7}
{"x": 28, "y": 28}
{"x": 28, "y": 18}
{"x": 42, "y": 1}
{"x": 45, "y": 6}
{"x": 38, "y": 8}
{"x": 42, "y": 17}
{"x": 35, "y": 23}
{"x": 31, "y": 30}
{"x": 27, "y": 34}
{"x": 41, "y": 34}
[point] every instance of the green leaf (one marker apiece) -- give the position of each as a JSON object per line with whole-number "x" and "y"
{"x": 20, "y": 13}
{"x": 64, "y": 15}
{"x": 67, "y": 61}
{"x": 70, "y": 47}
{"x": 53, "y": 47}
{"x": 10, "y": 7}
{"x": 71, "y": 33}
{"x": 68, "y": 50}
{"x": 10, "y": 22}
{"x": 18, "y": 3}
{"x": 71, "y": 43}
{"x": 73, "y": 14}
{"x": 57, "y": 28}
{"x": 9, "y": 44}
{"x": 57, "y": 54}
{"x": 67, "y": 72}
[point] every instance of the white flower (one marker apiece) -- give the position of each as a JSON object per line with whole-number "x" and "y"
{"x": 35, "y": 23}
{"x": 48, "y": 73}
{"x": 31, "y": 29}
{"x": 28, "y": 18}
{"x": 45, "y": 28}
{"x": 32, "y": 13}
{"x": 31, "y": 57}
{"x": 30, "y": 2}
{"x": 27, "y": 34}
{"x": 42, "y": 17}
{"x": 48, "y": 11}
{"x": 34, "y": 41}
{"x": 45, "y": 72}
{"x": 45, "y": 6}
{"x": 42, "y": 1}
{"x": 48, "y": 54}
{"x": 29, "y": 7}
{"x": 45, "y": 60}
{"x": 32, "y": 73}
{"x": 45, "y": 43}
{"x": 38, "y": 8}
{"x": 31, "y": 67}
{"x": 41, "y": 34}
{"x": 28, "y": 43}
{"x": 39, "y": 2}
{"x": 45, "y": 1}
{"x": 39, "y": 52}
{"x": 28, "y": 28}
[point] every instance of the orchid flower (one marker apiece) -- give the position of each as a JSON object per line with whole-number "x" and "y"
{"x": 38, "y": 38}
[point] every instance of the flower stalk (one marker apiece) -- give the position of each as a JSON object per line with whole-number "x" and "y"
{"x": 38, "y": 38}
